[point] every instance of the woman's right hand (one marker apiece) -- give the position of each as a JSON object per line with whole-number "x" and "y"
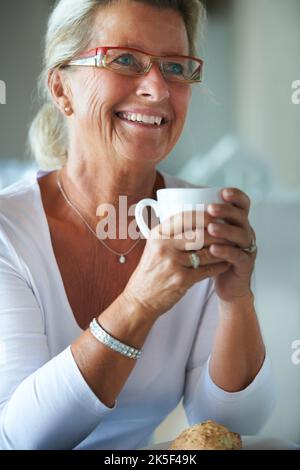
{"x": 164, "y": 273}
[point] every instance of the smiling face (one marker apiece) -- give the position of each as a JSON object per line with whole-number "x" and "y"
{"x": 107, "y": 105}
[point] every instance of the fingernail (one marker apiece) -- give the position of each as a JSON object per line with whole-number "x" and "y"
{"x": 228, "y": 192}
{"x": 212, "y": 208}
{"x": 213, "y": 228}
{"x": 216, "y": 249}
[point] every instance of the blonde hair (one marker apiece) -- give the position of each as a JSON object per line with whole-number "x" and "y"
{"x": 69, "y": 32}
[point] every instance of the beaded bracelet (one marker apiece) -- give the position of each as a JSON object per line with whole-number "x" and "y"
{"x": 113, "y": 343}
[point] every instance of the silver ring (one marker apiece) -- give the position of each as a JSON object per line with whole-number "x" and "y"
{"x": 252, "y": 248}
{"x": 195, "y": 260}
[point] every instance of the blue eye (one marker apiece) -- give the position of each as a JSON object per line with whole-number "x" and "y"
{"x": 125, "y": 59}
{"x": 177, "y": 68}
{"x": 174, "y": 68}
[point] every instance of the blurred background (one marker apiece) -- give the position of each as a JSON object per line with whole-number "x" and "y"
{"x": 242, "y": 130}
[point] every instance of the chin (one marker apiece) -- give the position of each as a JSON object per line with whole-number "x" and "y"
{"x": 142, "y": 155}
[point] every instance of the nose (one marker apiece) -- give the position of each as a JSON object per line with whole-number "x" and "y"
{"x": 153, "y": 85}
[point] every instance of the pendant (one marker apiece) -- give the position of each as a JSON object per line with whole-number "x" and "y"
{"x": 122, "y": 259}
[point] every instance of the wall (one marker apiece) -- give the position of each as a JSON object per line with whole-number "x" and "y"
{"x": 212, "y": 110}
{"x": 22, "y": 24}
{"x": 267, "y": 53}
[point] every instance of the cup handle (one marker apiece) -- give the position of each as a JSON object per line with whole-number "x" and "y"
{"x": 139, "y": 214}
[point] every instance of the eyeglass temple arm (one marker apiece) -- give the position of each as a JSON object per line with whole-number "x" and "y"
{"x": 95, "y": 60}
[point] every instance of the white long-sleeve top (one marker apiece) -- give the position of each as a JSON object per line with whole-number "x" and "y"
{"x": 45, "y": 402}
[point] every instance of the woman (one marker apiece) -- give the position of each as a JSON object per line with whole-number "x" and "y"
{"x": 62, "y": 386}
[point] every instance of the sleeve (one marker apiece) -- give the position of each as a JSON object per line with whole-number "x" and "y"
{"x": 44, "y": 403}
{"x": 244, "y": 412}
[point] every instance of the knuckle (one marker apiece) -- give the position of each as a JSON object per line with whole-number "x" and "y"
{"x": 177, "y": 279}
{"x": 203, "y": 255}
{"x": 209, "y": 269}
{"x": 161, "y": 248}
{"x": 169, "y": 263}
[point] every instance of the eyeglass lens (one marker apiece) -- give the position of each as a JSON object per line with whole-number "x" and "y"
{"x": 136, "y": 63}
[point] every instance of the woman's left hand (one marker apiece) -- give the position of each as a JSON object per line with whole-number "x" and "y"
{"x": 236, "y": 281}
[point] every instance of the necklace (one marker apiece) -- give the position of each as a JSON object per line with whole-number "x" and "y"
{"x": 122, "y": 256}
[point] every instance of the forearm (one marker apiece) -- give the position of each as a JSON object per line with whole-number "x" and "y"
{"x": 238, "y": 350}
{"x": 105, "y": 370}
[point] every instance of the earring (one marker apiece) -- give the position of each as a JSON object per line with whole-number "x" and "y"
{"x": 68, "y": 110}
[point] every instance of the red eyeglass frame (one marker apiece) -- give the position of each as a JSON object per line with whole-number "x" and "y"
{"x": 95, "y": 53}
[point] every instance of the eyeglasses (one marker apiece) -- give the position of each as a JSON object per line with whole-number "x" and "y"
{"x": 133, "y": 62}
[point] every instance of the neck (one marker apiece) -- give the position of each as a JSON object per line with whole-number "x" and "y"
{"x": 88, "y": 187}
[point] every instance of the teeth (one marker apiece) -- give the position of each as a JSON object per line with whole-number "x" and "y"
{"x": 142, "y": 118}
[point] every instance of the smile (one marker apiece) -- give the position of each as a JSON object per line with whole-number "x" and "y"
{"x": 142, "y": 119}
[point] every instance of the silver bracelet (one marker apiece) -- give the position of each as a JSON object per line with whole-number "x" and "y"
{"x": 113, "y": 343}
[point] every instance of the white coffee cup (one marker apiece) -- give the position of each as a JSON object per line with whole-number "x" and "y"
{"x": 171, "y": 201}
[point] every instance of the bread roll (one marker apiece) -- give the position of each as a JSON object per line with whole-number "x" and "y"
{"x": 207, "y": 436}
